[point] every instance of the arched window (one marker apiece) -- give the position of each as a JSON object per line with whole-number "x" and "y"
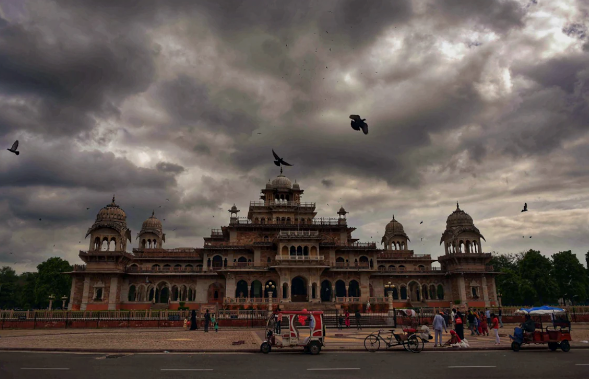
{"x": 305, "y": 250}
{"x": 156, "y": 267}
{"x": 404, "y": 293}
{"x": 299, "y": 250}
{"x": 166, "y": 267}
{"x": 288, "y": 220}
{"x": 440, "y": 292}
{"x": 132, "y": 293}
{"x": 262, "y": 221}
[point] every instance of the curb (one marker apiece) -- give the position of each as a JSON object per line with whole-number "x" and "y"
{"x": 108, "y": 351}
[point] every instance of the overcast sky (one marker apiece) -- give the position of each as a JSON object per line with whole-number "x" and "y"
{"x": 483, "y": 102}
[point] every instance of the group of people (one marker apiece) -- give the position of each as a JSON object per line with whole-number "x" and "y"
{"x": 208, "y": 319}
{"x": 478, "y": 323}
{"x": 345, "y": 319}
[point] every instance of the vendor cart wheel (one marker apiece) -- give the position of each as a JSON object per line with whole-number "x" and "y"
{"x": 265, "y": 347}
{"x": 415, "y": 344}
{"x": 314, "y": 348}
{"x": 565, "y": 346}
{"x": 515, "y": 346}
{"x": 553, "y": 346}
{"x": 372, "y": 343}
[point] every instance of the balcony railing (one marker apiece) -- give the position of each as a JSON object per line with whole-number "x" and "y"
{"x": 298, "y": 234}
{"x": 152, "y": 270}
{"x": 240, "y": 220}
{"x": 409, "y": 269}
{"x": 256, "y": 204}
{"x": 403, "y": 255}
{"x": 79, "y": 267}
{"x": 363, "y": 265}
{"x": 299, "y": 258}
{"x": 167, "y": 253}
{"x": 348, "y": 299}
{"x": 216, "y": 233}
{"x": 358, "y": 245}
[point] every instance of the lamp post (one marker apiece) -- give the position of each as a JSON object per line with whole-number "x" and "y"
{"x": 389, "y": 289}
{"x": 499, "y": 295}
{"x": 51, "y": 298}
{"x": 270, "y": 288}
{"x": 63, "y": 301}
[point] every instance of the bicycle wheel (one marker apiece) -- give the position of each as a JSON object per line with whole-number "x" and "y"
{"x": 372, "y": 343}
{"x": 415, "y": 344}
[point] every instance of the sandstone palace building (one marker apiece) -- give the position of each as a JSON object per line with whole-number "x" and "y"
{"x": 281, "y": 252}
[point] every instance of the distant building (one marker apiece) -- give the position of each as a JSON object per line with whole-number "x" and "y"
{"x": 281, "y": 248}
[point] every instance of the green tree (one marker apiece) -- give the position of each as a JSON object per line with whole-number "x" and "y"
{"x": 8, "y": 288}
{"x": 51, "y": 280}
{"x": 27, "y": 293}
{"x": 571, "y": 277}
{"x": 537, "y": 270}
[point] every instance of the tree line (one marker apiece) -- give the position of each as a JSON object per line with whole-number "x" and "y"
{"x": 531, "y": 279}
{"x": 31, "y": 290}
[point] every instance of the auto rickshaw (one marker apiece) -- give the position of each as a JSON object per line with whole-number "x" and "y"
{"x": 298, "y": 333}
{"x": 558, "y": 337}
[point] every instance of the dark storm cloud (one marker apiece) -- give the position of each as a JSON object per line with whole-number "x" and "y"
{"x": 60, "y": 165}
{"x": 189, "y": 102}
{"x": 328, "y": 183}
{"x": 169, "y": 167}
{"x": 498, "y": 15}
{"x": 562, "y": 71}
{"x": 68, "y": 82}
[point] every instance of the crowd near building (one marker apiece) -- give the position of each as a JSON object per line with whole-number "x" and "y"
{"x": 280, "y": 253}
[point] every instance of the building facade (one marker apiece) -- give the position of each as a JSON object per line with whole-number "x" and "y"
{"x": 280, "y": 253}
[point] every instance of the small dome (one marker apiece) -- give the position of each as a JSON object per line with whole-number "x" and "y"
{"x": 151, "y": 223}
{"x": 341, "y": 211}
{"x": 281, "y": 181}
{"x": 269, "y": 185}
{"x": 111, "y": 212}
{"x": 233, "y": 209}
{"x": 459, "y": 218}
{"x": 395, "y": 227}
{"x": 296, "y": 185}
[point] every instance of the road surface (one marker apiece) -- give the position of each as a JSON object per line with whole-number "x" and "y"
{"x": 390, "y": 364}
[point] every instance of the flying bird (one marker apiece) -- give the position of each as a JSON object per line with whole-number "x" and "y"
{"x": 421, "y": 222}
{"x": 279, "y": 161}
{"x": 87, "y": 208}
{"x": 14, "y": 147}
{"x": 525, "y": 208}
{"x": 531, "y": 237}
{"x": 357, "y": 123}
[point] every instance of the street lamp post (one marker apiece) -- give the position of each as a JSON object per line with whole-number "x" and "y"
{"x": 51, "y": 298}
{"x": 389, "y": 289}
{"x": 63, "y": 301}
{"x": 499, "y": 295}
{"x": 270, "y": 288}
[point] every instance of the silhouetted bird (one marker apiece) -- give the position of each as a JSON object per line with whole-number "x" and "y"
{"x": 14, "y": 147}
{"x": 524, "y": 210}
{"x": 357, "y": 123}
{"x": 531, "y": 237}
{"x": 279, "y": 161}
{"x": 87, "y": 208}
{"x": 421, "y": 222}
{"x": 39, "y": 219}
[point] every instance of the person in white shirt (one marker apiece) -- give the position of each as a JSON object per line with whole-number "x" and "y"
{"x": 438, "y": 325}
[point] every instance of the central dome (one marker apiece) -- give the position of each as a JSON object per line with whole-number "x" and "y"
{"x": 394, "y": 226}
{"x": 281, "y": 181}
{"x": 151, "y": 223}
{"x": 459, "y": 218}
{"x": 111, "y": 212}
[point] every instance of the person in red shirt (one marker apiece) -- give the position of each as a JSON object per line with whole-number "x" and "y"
{"x": 495, "y": 326}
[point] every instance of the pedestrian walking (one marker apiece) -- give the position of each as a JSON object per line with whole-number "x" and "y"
{"x": 207, "y": 321}
{"x": 357, "y": 315}
{"x": 459, "y": 325}
{"x": 453, "y": 315}
{"x": 471, "y": 321}
{"x": 214, "y": 323}
{"x": 347, "y": 319}
{"x": 194, "y": 320}
{"x": 495, "y": 328}
{"x": 185, "y": 324}
{"x": 488, "y": 316}
{"x": 340, "y": 321}
{"x": 278, "y": 321}
{"x": 484, "y": 327}
{"x": 368, "y": 306}
{"x": 438, "y": 324}
{"x": 500, "y": 317}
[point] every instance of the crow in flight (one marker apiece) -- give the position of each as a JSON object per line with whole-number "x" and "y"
{"x": 279, "y": 161}
{"x": 525, "y": 210}
{"x": 14, "y": 147}
{"x": 357, "y": 123}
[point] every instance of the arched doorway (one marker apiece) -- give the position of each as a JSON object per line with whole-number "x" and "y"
{"x": 326, "y": 291}
{"x": 298, "y": 289}
{"x": 354, "y": 289}
{"x": 241, "y": 289}
{"x": 215, "y": 293}
{"x": 256, "y": 289}
{"x": 414, "y": 291}
{"x": 340, "y": 289}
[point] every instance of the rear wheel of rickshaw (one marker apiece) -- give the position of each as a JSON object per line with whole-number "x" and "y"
{"x": 515, "y": 346}
{"x": 372, "y": 343}
{"x": 265, "y": 347}
{"x": 314, "y": 348}
{"x": 565, "y": 346}
{"x": 553, "y": 346}
{"x": 415, "y": 344}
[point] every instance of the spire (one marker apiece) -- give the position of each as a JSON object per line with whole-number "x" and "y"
{"x": 113, "y": 199}
{"x": 153, "y": 212}
{"x": 458, "y": 206}
{"x": 394, "y": 217}
{"x": 281, "y": 170}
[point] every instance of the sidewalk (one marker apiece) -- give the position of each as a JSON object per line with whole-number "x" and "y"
{"x": 178, "y": 340}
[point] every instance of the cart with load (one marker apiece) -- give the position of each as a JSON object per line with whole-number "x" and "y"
{"x": 555, "y": 336}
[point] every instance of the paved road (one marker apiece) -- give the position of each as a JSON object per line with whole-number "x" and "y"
{"x": 398, "y": 364}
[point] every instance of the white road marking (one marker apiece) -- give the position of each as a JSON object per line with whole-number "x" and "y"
{"x": 186, "y": 369}
{"x": 44, "y": 368}
{"x": 470, "y": 366}
{"x": 336, "y": 368}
